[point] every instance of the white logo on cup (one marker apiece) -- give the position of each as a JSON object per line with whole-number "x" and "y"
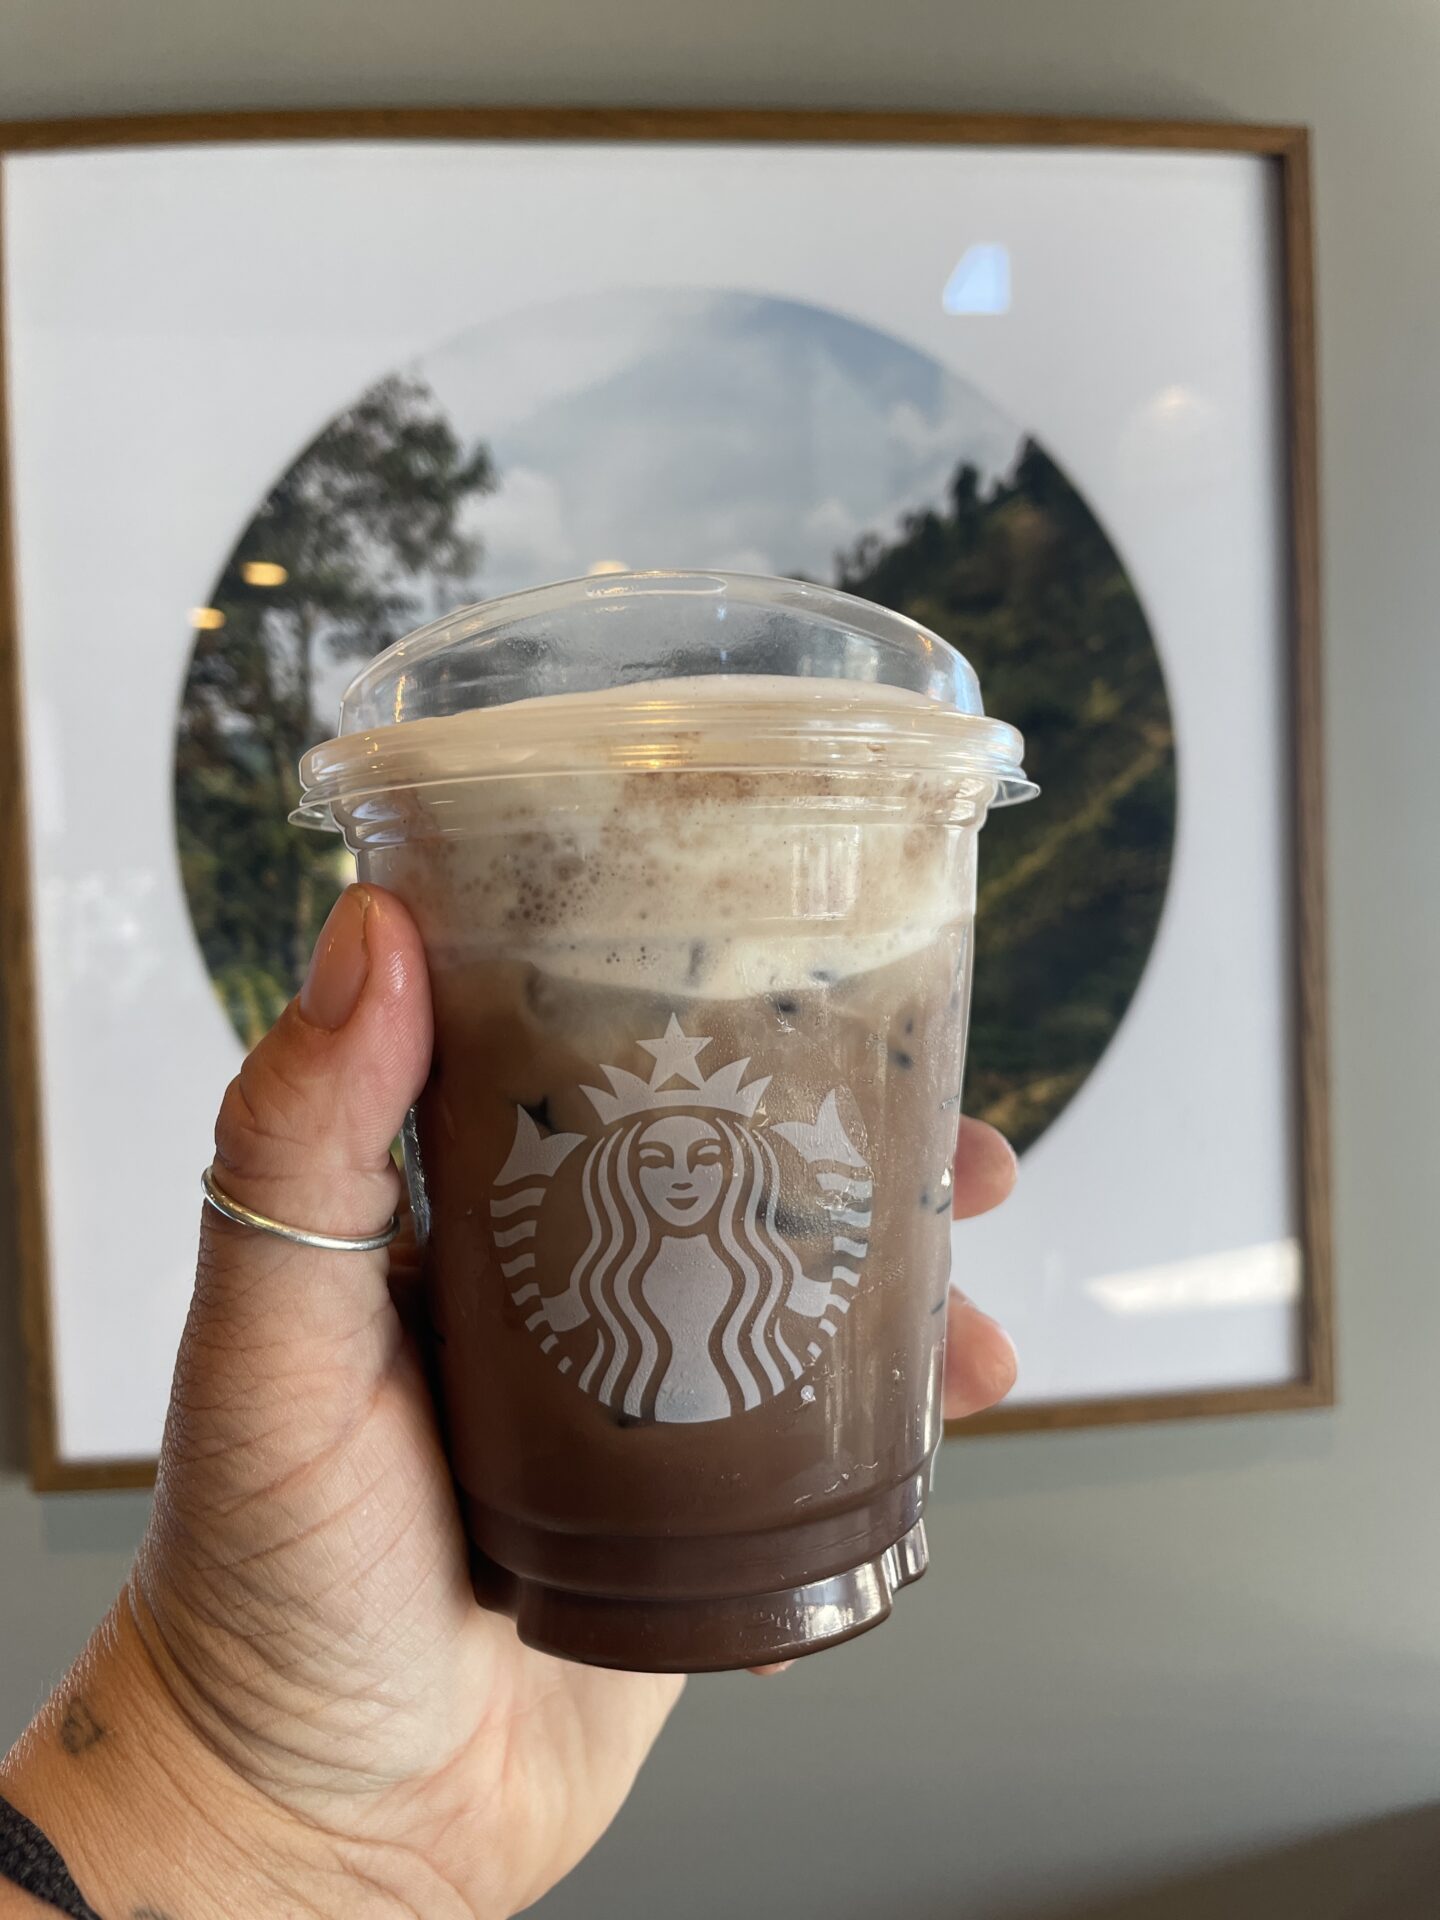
{"x": 690, "y": 1301}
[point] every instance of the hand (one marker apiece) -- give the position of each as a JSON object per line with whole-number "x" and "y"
{"x": 297, "y": 1685}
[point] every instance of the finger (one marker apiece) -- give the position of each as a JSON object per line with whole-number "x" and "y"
{"x": 776, "y": 1666}
{"x": 985, "y": 1169}
{"x": 304, "y": 1137}
{"x": 980, "y": 1359}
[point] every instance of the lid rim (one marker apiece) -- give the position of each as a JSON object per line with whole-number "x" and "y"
{"x": 669, "y": 738}
{"x": 316, "y": 812}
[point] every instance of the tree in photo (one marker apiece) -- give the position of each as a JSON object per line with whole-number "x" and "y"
{"x": 362, "y": 537}
{"x": 1023, "y": 580}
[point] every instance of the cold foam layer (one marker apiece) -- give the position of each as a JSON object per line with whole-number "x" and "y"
{"x": 683, "y": 879}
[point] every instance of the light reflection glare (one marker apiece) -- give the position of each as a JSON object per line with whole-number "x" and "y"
{"x": 854, "y": 1597}
{"x": 207, "y": 619}
{"x": 264, "y": 573}
{"x": 1245, "y": 1277}
{"x": 980, "y": 281}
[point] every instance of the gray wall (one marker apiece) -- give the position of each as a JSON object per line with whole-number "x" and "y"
{"x": 1146, "y": 1652}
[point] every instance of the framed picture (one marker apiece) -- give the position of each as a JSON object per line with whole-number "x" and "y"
{"x": 277, "y": 388}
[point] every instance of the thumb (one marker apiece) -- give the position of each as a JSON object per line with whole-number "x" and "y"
{"x": 304, "y": 1137}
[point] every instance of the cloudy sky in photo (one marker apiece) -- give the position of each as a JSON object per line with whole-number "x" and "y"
{"x": 678, "y": 429}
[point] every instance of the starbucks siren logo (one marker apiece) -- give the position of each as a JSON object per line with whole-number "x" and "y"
{"x": 688, "y": 1239}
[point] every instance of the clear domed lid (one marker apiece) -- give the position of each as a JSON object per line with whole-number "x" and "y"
{"x": 800, "y": 669}
{"x": 626, "y": 629}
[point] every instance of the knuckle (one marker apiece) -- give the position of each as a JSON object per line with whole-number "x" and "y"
{"x": 266, "y": 1115}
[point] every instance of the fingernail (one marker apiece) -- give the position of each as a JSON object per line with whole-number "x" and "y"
{"x": 339, "y": 964}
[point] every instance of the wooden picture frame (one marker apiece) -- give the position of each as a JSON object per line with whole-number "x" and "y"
{"x": 1285, "y": 148}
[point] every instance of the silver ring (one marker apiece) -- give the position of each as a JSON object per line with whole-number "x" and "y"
{"x": 244, "y": 1216}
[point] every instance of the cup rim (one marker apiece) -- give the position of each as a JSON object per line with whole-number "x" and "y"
{"x": 834, "y": 725}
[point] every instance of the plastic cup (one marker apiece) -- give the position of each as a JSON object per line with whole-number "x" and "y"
{"x": 693, "y": 858}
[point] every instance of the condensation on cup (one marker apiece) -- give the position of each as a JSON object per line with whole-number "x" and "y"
{"x": 693, "y": 858}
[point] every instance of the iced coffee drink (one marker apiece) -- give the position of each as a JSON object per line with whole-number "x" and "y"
{"x": 683, "y": 1160}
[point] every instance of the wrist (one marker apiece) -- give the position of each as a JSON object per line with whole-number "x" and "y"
{"x": 151, "y": 1821}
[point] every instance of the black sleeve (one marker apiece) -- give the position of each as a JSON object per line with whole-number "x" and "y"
{"x": 29, "y": 1862}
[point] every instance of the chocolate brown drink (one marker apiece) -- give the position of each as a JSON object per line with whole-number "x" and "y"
{"x": 686, "y": 1153}
{"x": 700, "y": 957}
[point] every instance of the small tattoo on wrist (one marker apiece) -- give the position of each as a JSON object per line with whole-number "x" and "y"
{"x": 79, "y": 1730}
